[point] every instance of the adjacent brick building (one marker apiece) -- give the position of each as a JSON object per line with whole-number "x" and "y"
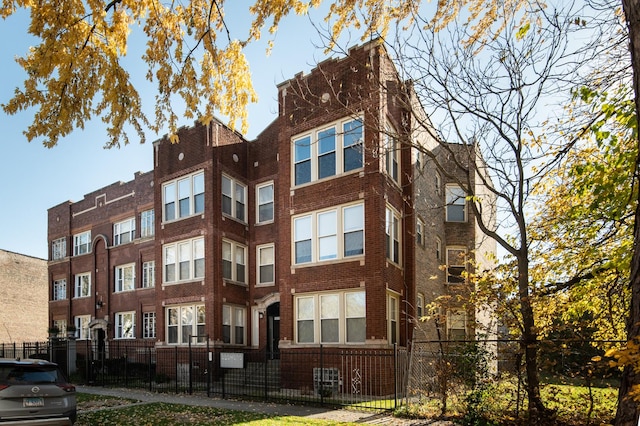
{"x": 23, "y": 298}
{"x": 330, "y": 228}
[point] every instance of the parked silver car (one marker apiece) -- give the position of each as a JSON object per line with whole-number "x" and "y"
{"x": 35, "y": 392}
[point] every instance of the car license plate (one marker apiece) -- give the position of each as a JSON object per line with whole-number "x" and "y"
{"x": 33, "y": 402}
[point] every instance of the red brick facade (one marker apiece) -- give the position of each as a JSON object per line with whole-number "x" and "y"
{"x": 240, "y": 311}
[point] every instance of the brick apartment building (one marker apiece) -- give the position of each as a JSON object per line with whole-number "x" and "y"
{"x": 330, "y": 228}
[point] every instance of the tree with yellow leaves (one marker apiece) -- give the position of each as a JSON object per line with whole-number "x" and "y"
{"x": 76, "y": 72}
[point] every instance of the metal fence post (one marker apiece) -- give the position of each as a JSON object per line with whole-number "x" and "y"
{"x": 395, "y": 376}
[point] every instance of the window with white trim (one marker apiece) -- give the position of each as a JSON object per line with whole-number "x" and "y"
{"x": 393, "y": 325}
{"x": 331, "y": 317}
{"x": 60, "y": 289}
{"x": 420, "y": 306}
{"x": 264, "y": 203}
{"x": 147, "y": 223}
{"x": 323, "y": 235}
{"x": 183, "y": 260}
{"x": 59, "y": 248}
{"x": 82, "y": 327}
{"x": 456, "y": 324}
{"x": 125, "y": 325}
{"x": 420, "y": 232}
{"x": 61, "y": 325}
{"x": 234, "y": 325}
{"x": 183, "y": 197}
{"x": 234, "y": 261}
{"x": 266, "y": 264}
{"x": 392, "y": 235}
{"x": 328, "y": 151}
{"x": 391, "y": 154}
{"x": 456, "y": 204}
{"x": 82, "y": 243}
{"x": 148, "y": 325}
{"x": 184, "y": 323}
{"x": 438, "y": 248}
{"x": 149, "y": 274}
{"x": 456, "y": 264}
{"x": 83, "y": 285}
{"x": 124, "y": 232}
{"x": 125, "y": 278}
{"x": 438, "y": 183}
{"x": 234, "y": 198}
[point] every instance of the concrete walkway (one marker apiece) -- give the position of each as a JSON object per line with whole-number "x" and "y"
{"x": 259, "y": 407}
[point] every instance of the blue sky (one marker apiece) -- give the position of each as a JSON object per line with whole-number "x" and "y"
{"x": 35, "y": 178}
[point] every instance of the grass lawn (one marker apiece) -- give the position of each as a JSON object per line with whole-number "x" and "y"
{"x": 119, "y": 411}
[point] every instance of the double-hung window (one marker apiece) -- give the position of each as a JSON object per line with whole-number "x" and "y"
{"x": 124, "y": 232}
{"x": 234, "y": 325}
{"x": 420, "y": 306}
{"x": 328, "y": 151}
{"x": 420, "y": 232}
{"x": 353, "y": 145}
{"x": 393, "y": 327}
{"x": 59, "y": 248}
{"x": 234, "y": 262}
{"x": 125, "y": 278}
{"x": 335, "y": 233}
{"x": 83, "y": 285}
{"x": 456, "y": 264}
{"x": 125, "y": 325}
{"x": 234, "y": 198}
{"x": 82, "y": 243}
{"x": 391, "y": 154}
{"x": 147, "y": 223}
{"x": 149, "y": 274}
{"x": 82, "y": 327}
{"x": 331, "y": 317}
{"x": 183, "y": 197}
{"x": 264, "y": 202}
{"x": 392, "y": 231}
{"x": 148, "y": 325}
{"x": 266, "y": 264}
{"x": 183, "y": 260}
{"x": 456, "y": 324}
{"x": 184, "y": 323}
{"x": 456, "y": 204}
{"x": 60, "y": 289}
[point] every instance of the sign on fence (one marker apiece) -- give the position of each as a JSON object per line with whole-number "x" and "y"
{"x": 231, "y": 360}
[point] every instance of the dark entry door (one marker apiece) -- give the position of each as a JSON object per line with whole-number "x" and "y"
{"x": 273, "y": 330}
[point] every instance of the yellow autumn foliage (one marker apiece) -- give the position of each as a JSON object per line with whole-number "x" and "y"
{"x": 76, "y": 72}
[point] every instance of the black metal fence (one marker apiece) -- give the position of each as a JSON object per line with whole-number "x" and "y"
{"x": 367, "y": 379}
{"x": 437, "y": 373}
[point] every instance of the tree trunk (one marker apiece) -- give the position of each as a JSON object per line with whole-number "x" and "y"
{"x": 628, "y": 411}
{"x": 529, "y": 344}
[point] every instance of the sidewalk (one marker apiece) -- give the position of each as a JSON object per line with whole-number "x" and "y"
{"x": 260, "y": 407}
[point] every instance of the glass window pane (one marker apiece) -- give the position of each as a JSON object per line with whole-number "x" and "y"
{"x": 302, "y": 149}
{"x": 302, "y": 228}
{"x": 327, "y": 223}
{"x": 327, "y": 165}
{"x": 328, "y": 248}
{"x": 305, "y": 332}
{"x": 356, "y": 330}
{"x": 303, "y": 172}
{"x": 329, "y": 332}
{"x": 354, "y": 243}
{"x": 355, "y": 304}
{"x": 305, "y": 308}
{"x": 353, "y": 218}
{"x": 329, "y": 306}
{"x": 303, "y": 251}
